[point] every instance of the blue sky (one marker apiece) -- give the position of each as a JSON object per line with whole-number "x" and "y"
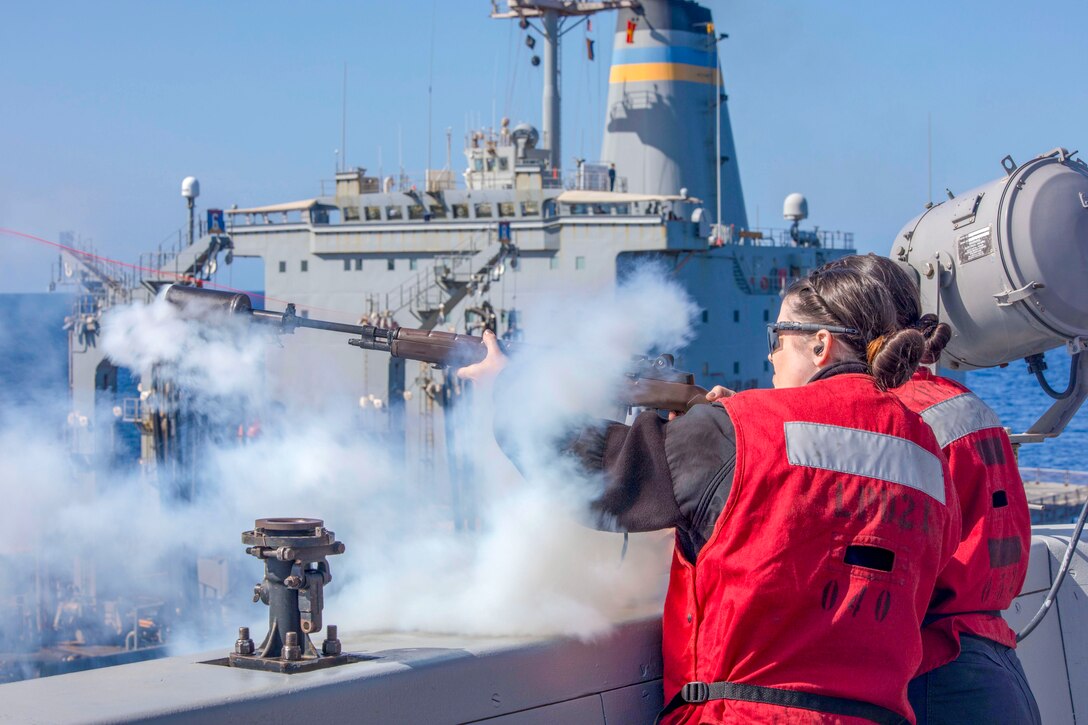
{"x": 105, "y": 107}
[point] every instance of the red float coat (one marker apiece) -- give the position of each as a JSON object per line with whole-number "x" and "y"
{"x": 776, "y": 597}
{"x": 989, "y": 566}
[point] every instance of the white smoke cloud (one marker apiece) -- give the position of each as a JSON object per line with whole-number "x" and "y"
{"x": 528, "y": 567}
{"x": 215, "y": 359}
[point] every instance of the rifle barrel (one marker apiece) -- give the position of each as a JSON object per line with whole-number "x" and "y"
{"x": 335, "y": 326}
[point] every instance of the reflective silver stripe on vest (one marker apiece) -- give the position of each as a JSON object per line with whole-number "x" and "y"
{"x": 864, "y": 453}
{"x": 956, "y": 417}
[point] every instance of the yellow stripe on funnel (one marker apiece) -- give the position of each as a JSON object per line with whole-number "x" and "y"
{"x": 643, "y": 72}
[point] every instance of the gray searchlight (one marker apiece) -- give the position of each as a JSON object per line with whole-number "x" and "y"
{"x": 1005, "y": 265}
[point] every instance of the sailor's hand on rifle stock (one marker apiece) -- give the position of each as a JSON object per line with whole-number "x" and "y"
{"x": 489, "y": 368}
{"x": 716, "y": 393}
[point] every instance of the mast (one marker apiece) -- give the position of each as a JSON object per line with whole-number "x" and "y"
{"x": 551, "y": 14}
{"x": 551, "y": 100}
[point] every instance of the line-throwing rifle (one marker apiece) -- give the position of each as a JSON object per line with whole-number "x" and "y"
{"x": 649, "y": 382}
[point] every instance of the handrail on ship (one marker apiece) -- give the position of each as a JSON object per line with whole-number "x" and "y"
{"x": 1054, "y": 475}
{"x": 780, "y": 237}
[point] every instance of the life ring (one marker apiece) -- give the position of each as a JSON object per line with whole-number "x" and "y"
{"x": 764, "y": 284}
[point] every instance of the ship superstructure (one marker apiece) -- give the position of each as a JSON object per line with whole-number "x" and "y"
{"x": 522, "y": 228}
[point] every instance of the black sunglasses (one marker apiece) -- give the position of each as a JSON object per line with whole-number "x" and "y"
{"x": 776, "y": 327}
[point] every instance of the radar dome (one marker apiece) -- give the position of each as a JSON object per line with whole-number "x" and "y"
{"x": 527, "y": 132}
{"x": 190, "y": 187}
{"x": 795, "y": 207}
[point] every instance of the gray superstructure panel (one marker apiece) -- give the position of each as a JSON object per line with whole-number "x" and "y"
{"x": 1055, "y": 655}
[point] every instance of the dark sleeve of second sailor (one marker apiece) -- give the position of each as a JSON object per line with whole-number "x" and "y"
{"x": 653, "y": 474}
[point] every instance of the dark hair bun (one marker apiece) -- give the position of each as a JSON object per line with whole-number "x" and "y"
{"x": 937, "y": 335}
{"x": 898, "y": 358}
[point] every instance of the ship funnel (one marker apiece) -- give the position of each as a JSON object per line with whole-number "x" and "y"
{"x": 664, "y": 100}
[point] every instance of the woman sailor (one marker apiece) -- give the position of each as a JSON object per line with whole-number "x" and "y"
{"x": 969, "y": 672}
{"x": 811, "y": 520}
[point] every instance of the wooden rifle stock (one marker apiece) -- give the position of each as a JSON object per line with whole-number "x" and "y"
{"x": 438, "y": 348}
{"x": 662, "y": 394}
{"x": 674, "y": 390}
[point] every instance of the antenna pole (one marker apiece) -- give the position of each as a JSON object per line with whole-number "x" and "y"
{"x": 430, "y": 86}
{"x": 929, "y": 155}
{"x": 344, "y": 122}
{"x": 551, "y": 86}
{"x": 718, "y": 140}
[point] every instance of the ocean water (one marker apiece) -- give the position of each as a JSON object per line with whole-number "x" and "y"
{"x": 33, "y": 358}
{"x": 33, "y": 348}
{"x": 1018, "y": 400}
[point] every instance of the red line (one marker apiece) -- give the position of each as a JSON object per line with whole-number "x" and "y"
{"x": 152, "y": 271}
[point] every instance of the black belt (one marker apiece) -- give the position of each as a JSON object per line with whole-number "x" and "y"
{"x": 694, "y": 693}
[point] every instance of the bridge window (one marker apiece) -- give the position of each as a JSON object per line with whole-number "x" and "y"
{"x": 351, "y": 213}
{"x": 373, "y": 213}
{"x": 415, "y": 211}
{"x": 438, "y": 211}
{"x": 394, "y": 212}
{"x": 483, "y": 210}
{"x": 530, "y": 208}
{"x": 460, "y": 211}
{"x": 506, "y": 208}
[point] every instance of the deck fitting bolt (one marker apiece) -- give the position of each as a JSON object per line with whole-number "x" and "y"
{"x": 244, "y": 645}
{"x": 331, "y": 646}
{"x": 291, "y": 650}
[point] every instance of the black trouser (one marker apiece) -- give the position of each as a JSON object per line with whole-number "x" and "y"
{"x": 985, "y": 684}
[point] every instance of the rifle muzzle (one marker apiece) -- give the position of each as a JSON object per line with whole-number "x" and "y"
{"x": 197, "y": 302}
